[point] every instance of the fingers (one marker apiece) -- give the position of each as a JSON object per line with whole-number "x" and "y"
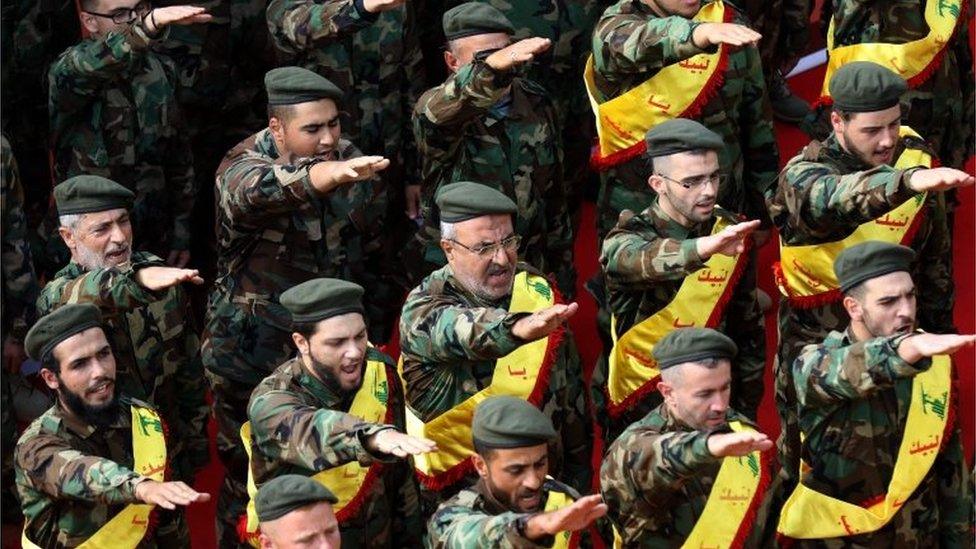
{"x": 569, "y": 310}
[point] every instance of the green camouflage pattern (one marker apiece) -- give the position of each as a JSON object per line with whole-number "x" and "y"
{"x": 157, "y": 350}
{"x": 784, "y": 26}
{"x": 630, "y": 45}
{"x": 19, "y": 280}
{"x": 470, "y": 129}
{"x": 72, "y": 478}
{"x": 301, "y": 426}
{"x": 853, "y": 399}
{"x": 645, "y": 260}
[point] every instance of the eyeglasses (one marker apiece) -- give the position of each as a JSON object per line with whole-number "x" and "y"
{"x": 485, "y": 251}
{"x": 695, "y": 182}
{"x": 123, "y": 16}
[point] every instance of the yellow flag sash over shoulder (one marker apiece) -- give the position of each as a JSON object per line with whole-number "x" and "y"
{"x": 805, "y": 274}
{"x": 523, "y": 373}
{"x": 562, "y": 540}
{"x": 808, "y": 514}
{"x": 128, "y": 528}
{"x": 351, "y": 482}
{"x": 675, "y": 91}
{"x": 700, "y": 301}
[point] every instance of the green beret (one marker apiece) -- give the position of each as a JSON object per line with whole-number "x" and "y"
{"x": 863, "y": 86}
{"x": 691, "y": 345}
{"x": 473, "y": 18}
{"x": 322, "y": 298}
{"x": 680, "y": 135}
{"x": 869, "y": 260}
{"x": 510, "y": 422}
{"x": 58, "y": 326}
{"x": 90, "y": 193}
{"x": 292, "y": 85}
{"x": 466, "y": 200}
{"x": 282, "y": 495}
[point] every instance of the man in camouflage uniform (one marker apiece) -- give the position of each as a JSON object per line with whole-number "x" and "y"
{"x": 456, "y": 325}
{"x": 75, "y": 464}
{"x": 301, "y": 422}
{"x": 657, "y": 477}
{"x": 114, "y": 113}
{"x": 854, "y": 392}
{"x": 144, "y": 306}
{"x": 295, "y": 510}
{"x": 508, "y": 505}
{"x": 488, "y": 124}
{"x": 296, "y": 202}
{"x": 832, "y": 187}
{"x": 648, "y": 256}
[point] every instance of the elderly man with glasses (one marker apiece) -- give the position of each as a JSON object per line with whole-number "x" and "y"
{"x": 683, "y": 261}
{"x": 485, "y": 325}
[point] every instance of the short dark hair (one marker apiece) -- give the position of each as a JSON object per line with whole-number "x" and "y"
{"x": 50, "y": 362}
{"x": 857, "y": 291}
{"x": 482, "y": 450}
{"x": 844, "y": 115}
{"x": 306, "y": 329}
{"x": 283, "y": 113}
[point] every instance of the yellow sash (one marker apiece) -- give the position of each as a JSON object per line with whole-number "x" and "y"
{"x": 349, "y": 482}
{"x": 129, "y": 526}
{"x": 523, "y": 373}
{"x": 914, "y": 61}
{"x": 700, "y": 301}
{"x": 805, "y": 274}
{"x": 808, "y": 514}
{"x": 563, "y": 540}
{"x": 676, "y": 91}
{"x": 728, "y": 516}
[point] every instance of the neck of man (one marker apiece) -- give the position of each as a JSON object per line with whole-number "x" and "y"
{"x": 860, "y": 331}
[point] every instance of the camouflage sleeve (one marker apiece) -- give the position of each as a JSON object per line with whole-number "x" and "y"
{"x": 559, "y": 222}
{"x": 744, "y": 323}
{"x": 459, "y": 527}
{"x": 299, "y": 25}
{"x": 934, "y": 285}
{"x": 632, "y": 262}
{"x": 19, "y": 280}
{"x": 759, "y": 150}
{"x": 576, "y": 429}
{"x": 825, "y": 375}
{"x": 283, "y": 428}
{"x": 442, "y": 332}
{"x": 412, "y": 85}
{"x": 633, "y": 44}
{"x": 180, "y": 180}
{"x": 111, "y": 290}
{"x": 794, "y": 35}
{"x": 254, "y": 190}
{"x": 408, "y": 526}
{"x": 955, "y": 495}
{"x": 467, "y": 94}
{"x": 192, "y": 397}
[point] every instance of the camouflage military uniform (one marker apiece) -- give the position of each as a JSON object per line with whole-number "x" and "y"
{"x": 657, "y": 477}
{"x": 298, "y": 427}
{"x": 450, "y": 340}
{"x": 646, "y": 259}
{"x": 824, "y": 193}
{"x": 853, "y": 399}
{"x": 114, "y": 113}
{"x": 73, "y": 478}
{"x": 274, "y": 232}
{"x": 468, "y": 129}
{"x": 475, "y": 518}
{"x": 739, "y": 111}
{"x": 157, "y": 350}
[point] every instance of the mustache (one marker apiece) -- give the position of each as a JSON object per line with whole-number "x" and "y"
{"x": 98, "y": 382}
{"x": 496, "y": 269}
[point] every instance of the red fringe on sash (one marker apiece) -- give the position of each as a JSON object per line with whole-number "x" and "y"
{"x": 749, "y": 519}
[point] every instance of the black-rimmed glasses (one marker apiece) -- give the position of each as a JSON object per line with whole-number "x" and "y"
{"x": 123, "y": 16}
{"x": 695, "y": 182}
{"x": 510, "y": 244}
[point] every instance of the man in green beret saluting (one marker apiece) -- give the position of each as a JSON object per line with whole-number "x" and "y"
{"x": 145, "y": 306}
{"x": 334, "y": 412}
{"x": 296, "y": 511}
{"x": 482, "y": 325}
{"x": 93, "y": 468}
{"x": 691, "y": 473}
{"x": 514, "y": 503}
{"x": 489, "y": 124}
{"x": 683, "y": 261}
{"x": 871, "y": 179}
{"x": 883, "y": 464}
{"x": 295, "y": 201}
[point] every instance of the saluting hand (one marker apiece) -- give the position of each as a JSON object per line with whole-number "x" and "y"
{"x": 391, "y": 441}
{"x": 571, "y": 518}
{"x": 160, "y": 278}
{"x": 729, "y": 241}
{"x": 516, "y": 54}
{"x": 939, "y": 179}
{"x": 168, "y": 494}
{"x": 542, "y": 323}
{"x": 376, "y": 6}
{"x": 175, "y": 15}
{"x": 738, "y": 444}
{"x": 326, "y": 176}
{"x": 713, "y": 34}
{"x": 919, "y": 346}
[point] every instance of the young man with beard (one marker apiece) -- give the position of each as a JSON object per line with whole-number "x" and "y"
{"x": 876, "y": 408}
{"x": 690, "y": 473}
{"x": 295, "y": 202}
{"x": 515, "y": 503}
{"x": 145, "y": 307}
{"x": 486, "y": 324}
{"x": 87, "y": 465}
{"x": 335, "y": 413}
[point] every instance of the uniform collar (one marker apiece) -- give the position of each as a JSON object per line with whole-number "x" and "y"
{"x": 82, "y": 428}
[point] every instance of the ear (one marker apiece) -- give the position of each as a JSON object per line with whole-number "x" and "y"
{"x": 68, "y": 236}
{"x": 836, "y": 122}
{"x": 88, "y": 22}
{"x": 50, "y": 379}
{"x": 451, "y": 61}
{"x": 656, "y": 183}
{"x": 277, "y": 129}
{"x": 853, "y": 308}
{"x": 265, "y": 541}
{"x": 300, "y": 343}
{"x": 480, "y": 465}
{"x": 666, "y": 389}
{"x": 448, "y": 248}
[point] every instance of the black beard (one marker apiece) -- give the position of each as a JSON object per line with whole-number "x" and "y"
{"x": 330, "y": 380}
{"x": 96, "y": 416}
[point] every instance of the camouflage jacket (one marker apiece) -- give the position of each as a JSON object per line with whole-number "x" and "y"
{"x": 630, "y": 44}
{"x": 273, "y": 232}
{"x": 114, "y": 113}
{"x": 19, "y": 281}
{"x": 374, "y": 59}
{"x": 469, "y": 129}
{"x": 157, "y": 349}
{"x": 645, "y": 260}
{"x": 450, "y": 340}
{"x": 657, "y": 476}
{"x": 475, "y": 518}
{"x": 72, "y": 478}
{"x": 853, "y": 398}
{"x": 300, "y": 426}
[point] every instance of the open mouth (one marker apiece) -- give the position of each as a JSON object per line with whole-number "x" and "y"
{"x": 102, "y": 388}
